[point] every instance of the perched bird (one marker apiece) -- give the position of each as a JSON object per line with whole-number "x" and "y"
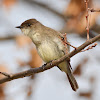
{"x": 49, "y": 45}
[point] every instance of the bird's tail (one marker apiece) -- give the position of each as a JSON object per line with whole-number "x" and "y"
{"x": 71, "y": 78}
{"x": 66, "y": 67}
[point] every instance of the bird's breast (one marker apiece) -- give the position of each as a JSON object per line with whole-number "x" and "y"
{"x": 36, "y": 38}
{"x": 48, "y": 51}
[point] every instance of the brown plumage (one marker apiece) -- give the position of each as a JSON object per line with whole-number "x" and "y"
{"x": 49, "y": 45}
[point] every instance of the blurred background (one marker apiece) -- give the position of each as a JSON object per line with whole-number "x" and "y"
{"x": 18, "y": 53}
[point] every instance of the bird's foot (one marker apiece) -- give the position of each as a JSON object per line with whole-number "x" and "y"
{"x": 44, "y": 65}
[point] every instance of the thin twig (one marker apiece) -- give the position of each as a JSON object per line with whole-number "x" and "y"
{"x": 90, "y": 47}
{"x": 8, "y": 38}
{"x": 66, "y": 42}
{"x": 87, "y": 16}
{"x": 49, "y": 65}
{"x": 71, "y": 45}
{"x": 5, "y": 74}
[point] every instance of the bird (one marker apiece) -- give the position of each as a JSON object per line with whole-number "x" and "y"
{"x": 49, "y": 46}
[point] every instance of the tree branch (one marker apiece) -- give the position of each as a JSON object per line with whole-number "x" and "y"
{"x": 12, "y": 37}
{"x": 49, "y": 65}
{"x": 87, "y": 19}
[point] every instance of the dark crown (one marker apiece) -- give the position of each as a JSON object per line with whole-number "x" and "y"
{"x": 29, "y": 22}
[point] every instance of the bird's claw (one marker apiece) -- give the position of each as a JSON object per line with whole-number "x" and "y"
{"x": 44, "y": 65}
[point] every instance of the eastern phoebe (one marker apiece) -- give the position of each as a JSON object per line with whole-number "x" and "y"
{"x": 49, "y": 45}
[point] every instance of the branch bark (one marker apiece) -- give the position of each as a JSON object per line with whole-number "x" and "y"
{"x": 49, "y": 65}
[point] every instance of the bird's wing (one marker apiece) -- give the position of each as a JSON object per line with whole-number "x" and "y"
{"x": 56, "y": 37}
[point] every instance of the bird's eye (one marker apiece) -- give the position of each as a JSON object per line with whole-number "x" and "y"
{"x": 28, "y": 25}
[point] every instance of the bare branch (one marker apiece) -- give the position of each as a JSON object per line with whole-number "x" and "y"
{"x": 66, "y": 42}
{"x": 87, "y": 18}
{"x": 8, "y": 38}
{"x": 49, "y": 65}
{"x": 90, "y": 47}
{"x": 5, "y": 74}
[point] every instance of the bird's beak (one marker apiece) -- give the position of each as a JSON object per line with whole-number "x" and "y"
{"x": 19, "y": 27}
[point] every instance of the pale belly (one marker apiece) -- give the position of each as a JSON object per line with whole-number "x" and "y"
{"x": 49, "y": 52}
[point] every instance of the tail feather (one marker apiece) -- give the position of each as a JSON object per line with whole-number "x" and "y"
{"x": 71, "y": 79}
{"x": 73, "y": 82}
{"x": 66, "y": 67}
